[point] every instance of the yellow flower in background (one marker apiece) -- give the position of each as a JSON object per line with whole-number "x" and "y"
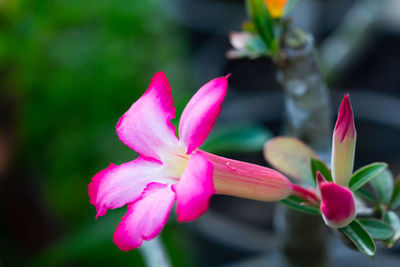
{"x": 275, "y": 7}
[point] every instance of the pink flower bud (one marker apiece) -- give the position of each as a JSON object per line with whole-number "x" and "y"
{"x": 337, "y": 203}
{"x": 344, "y": 143}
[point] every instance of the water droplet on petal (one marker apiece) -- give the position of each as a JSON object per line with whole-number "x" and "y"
{"x": 231, "y": 168}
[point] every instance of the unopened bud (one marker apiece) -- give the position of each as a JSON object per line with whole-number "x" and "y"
{"x": 337, "y": 203}
{"x": 344, "y": 143}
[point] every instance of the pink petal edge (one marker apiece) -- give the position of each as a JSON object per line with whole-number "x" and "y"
{"x": 201, "y": 112}
{"x": 119, "y": 185}
{"x": 146, "y": 127}
{"x": 195, "y": 188}
{"x": 320, "y": 178}
{"x": 145, "y": 218}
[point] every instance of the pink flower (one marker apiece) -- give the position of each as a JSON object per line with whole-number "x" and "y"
{"x": 337, "y": 203}
{"x": 171, "y": 170}
{"x": 344, "y": 144}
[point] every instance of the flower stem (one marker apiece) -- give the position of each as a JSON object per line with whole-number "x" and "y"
{"x": 305, "y": 194}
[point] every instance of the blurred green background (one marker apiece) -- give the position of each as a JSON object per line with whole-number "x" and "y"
{"x": 69, "y": 69}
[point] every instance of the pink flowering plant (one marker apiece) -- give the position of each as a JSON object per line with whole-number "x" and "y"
{"x": 360, "y": 204}
{"x": 171, "y": 170}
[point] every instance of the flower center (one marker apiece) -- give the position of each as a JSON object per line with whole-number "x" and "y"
{"x": 175, "y": 161}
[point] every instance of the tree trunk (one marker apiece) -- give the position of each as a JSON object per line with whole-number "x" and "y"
{"x": 308, "y": 117}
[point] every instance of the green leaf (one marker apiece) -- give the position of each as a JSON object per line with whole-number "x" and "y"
{"x": 238, "y": 137}
{"x": 395, "y": 201}
{"x": 290, "y": 156}
{"x": 393, "y": 220}
{"x": 362, "y": 192}
{"x": 360, "y": 237}
{"x": 318, "y": 165}
{"x": 263, "y": 22}
{"x": 366, "y": 174}
{"x": 299, "y": 205}
{"x": 378, "y": 229}
{"x": 248, "y": 26}
{"x": 256, "y": 46}
{"x": 383, "y": 186}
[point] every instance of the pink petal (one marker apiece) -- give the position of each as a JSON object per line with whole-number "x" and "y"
{"x": 146, "y": 127}
{"x": 345, "y": 122}
{"x": 119, "y": 185}
{"x": 239, "y": 40}
{"x": 145, "y": 218}
{"x": 199, "y": 115}
{"x": 320, "y": 178}
{"x": 195, "y": 188}
{"x": 337, "y": 206}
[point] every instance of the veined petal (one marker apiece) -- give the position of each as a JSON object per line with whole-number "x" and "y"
{"x": 145, "y": 218}
{"x": 119, "y": 185}
{"x": 195, "y": 188}
{"x": 146, "y": 127}
{"x": 200, "y": 113}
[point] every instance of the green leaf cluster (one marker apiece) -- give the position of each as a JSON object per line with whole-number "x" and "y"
{"x": 262, "y": 33}
{"x": 372, "y": 183}
{"x": 263, "y": 23}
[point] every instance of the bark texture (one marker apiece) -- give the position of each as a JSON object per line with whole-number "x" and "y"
{"x": 308, "y": 117}
{"x": 307, "y": 103}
